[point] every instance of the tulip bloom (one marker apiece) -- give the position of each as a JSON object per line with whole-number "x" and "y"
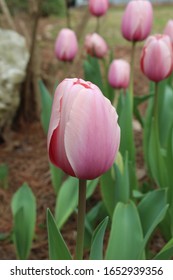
{"x": 83, "y": 136}
{"x": 137, "y": 20}
{"x": 66, "y": 45}
{"x": 98, "y": 7}
{"x": 95, "y": 45}
{"x": 119, "y": 73}
{"x": 169, "y": 30}
{"x": 157, "y": 57}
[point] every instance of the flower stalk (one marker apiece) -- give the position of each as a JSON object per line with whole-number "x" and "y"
{"x": 132, "y": 73}
{"x": 81, "y": 219}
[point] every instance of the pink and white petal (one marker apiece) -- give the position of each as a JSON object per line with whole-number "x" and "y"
{"x": 56, "y": 130}
{"x": 90, "y": 135}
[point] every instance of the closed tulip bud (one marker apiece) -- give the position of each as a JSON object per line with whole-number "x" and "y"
{"x": 137, "y": 20}
{"x": 83, "y": 136}
{"x": 95, "y": 45}
{"x": 157, "y": 57}
{"x": 98, "y": 7}
{"x": 66, "y": 45}
{"x": 169, "y": 30}
{"x": 119, "y": 73}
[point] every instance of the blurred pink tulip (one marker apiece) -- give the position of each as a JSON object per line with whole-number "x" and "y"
{"x": 157, "y": 57}
{"x": 169, "y": 30}
{"x": 98, "y": 7}
{"x": 83, "y": 136}
{"x": 95, "y": 45}
{"x": 119, "y": 73}
{"x": 137, "y": 20}
{"x": 66, "y": 45}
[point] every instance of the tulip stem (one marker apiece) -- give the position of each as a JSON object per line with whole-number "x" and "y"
{"x": 132, "y": 73}
{"x": 68, "y": 18}
{"x": 156, "y": 108}
{"x": 81, "y": 219}
{"x": 98, "y": 25}
{"x": 156, "y": 102}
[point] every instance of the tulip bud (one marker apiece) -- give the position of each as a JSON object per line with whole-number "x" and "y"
{"x": 169, "y": 30}
{"x": 119, "y": 73}
{"x": 66, "y": 45}
{"x": 98, "y": 7}
{"x": 137, "y": 20}
{"x": 83, "y": 136}
{"x": 95, "y": 45}
{"x": 157, "y": 57}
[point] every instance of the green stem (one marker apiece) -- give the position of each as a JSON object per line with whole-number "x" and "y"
{"x": 132, "y": 73}
{"x": 68, "y": 16}
{"x": 156, "y": 102}
{"x": 156, "y": 111}
{"x": 81, "y": 219}
{"x": 116, "y": 97}
{"x": 98, "y": 25}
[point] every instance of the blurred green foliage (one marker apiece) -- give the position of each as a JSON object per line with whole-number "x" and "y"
{"x": 54, "y": 7}
{"x": 4, "y": 176}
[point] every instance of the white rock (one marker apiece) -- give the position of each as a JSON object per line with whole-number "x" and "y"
{"x": 14, "y": 57}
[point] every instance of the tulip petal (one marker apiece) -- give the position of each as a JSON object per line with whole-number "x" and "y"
{"x": 156, "y": 60}
{"x": 92, "y": 134}
{"x": 55, "y": 141}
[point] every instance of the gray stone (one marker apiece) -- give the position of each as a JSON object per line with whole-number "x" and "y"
{"x": 14, "y": 57}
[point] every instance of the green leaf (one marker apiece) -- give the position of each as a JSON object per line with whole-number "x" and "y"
{"x": 125, "y": 121}
{"x": 46, "y": 105}
{"x": 115, "y": 186}
{"x": 157, "y": 158}
{"x": 126, "y": 234}
{"x": 122, "y": 182}
{"x": 56, "y": 176}
{"x": 57, "y": 248}
{"x": 96, "y": 252}
{"x": 92, "y": 217}
{"x": 138, "y": 100}
{"x": 169, "y": 164}
{"x": 67, "y": 199}
{"x": 166, "y": 253}
{"x": 147, "y": 129}
{"x": 108, "y": 191}
{"x": 165, "y": 100}
{"x": 152, "y": 210}
{"x": 4, "y": 176}
{"x": 92, "y": 71}
{"x": 167, "y": 224}
{"x": 24, "y": 217}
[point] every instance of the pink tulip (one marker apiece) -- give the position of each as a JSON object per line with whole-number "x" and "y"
{"x": 83, "y": 136}
{"x": 137, "y": 20}
{"x": 98, "y": 7}
{"x": 169, "y": 30}
{"x": 157, "y": 57}
{"x": 95, "y": 45}
{"x": 119, "y": 73}
{"x": 66, "y": 45}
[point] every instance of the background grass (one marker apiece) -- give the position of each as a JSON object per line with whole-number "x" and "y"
{"x": 110, "y": 24}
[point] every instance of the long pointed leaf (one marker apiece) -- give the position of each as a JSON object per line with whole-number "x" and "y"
{"x": 67, "y": 198}
{"x": 152, "y": 210}
{"x": 57, "y": 248}
{"x": 24, "y": 217}
{"x": 46, "y": 105}
{"x": 126, "y": 234}
{"x": 97, "y": 242}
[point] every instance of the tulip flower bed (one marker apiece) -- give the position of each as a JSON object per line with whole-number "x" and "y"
{"x": 110, "y": 126}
